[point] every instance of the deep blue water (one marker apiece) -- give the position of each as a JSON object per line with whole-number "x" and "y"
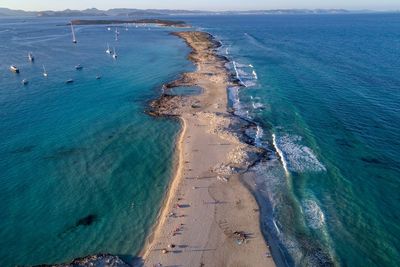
{"x": 324, "y": 90}
{"x": 326, "y": 94}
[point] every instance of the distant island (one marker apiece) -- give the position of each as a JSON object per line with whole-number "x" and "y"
{"x": 160, "y": 22}
{"x": 128, "y": 12}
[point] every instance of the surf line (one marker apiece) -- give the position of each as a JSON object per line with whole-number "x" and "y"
{"x": 237, "y": 74}
{"x": 280, "y": 153}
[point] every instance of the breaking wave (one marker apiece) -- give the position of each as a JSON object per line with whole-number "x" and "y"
{"x": 295, "y": 156}
{"x": 313, "y": 214}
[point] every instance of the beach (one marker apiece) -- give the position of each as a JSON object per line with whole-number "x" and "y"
{"x": 209, "y": 218}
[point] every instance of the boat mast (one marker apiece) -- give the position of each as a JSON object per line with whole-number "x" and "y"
{"x": 73, "y": 34}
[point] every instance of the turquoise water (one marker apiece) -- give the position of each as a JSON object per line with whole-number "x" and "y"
{"x": 83, "y": 167}
{"x": 325, "y": 92}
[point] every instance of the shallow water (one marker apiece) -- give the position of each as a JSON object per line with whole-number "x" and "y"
{"x": 83, "y": 167}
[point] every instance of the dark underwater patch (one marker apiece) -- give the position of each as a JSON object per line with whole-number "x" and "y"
{"x": 371, "y": 160}
{"x": 86, "y": 221}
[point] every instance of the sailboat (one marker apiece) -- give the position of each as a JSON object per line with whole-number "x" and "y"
{"x": 73, "y": 34}
{"x": 44, "y": 72}
{"x": 115, "y": 54}
{"x": 116, "y": 37}
{"x": 14, "y": 69}
{"x": 108, "y": 51}
{"x": 31, "y": 57}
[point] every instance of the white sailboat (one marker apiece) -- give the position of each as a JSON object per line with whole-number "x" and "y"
{"x": 108, "y": 51}
{"x": 115, "y": 54}
{"x": 44, "y": 72}
{"x": 31, "y": 57}
{"x": 73, "y": 34}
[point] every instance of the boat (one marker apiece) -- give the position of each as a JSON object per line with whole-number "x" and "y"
{"x": 69, "y": 81}
{"x": 108, "y": 28}
{"x": 78, "y": 67}
{"x": 14, "y": 69}
{"x": 98, "y": 77}
{"x": 114, "y": 54}
{"x": 73, "y": 34}
{"x": 24, "y": 82}
{"x": 31, "y": 57}
{"x": 108, "y": 51}
{"x": 44, "y": 72}
{"x": 116, "y": 37}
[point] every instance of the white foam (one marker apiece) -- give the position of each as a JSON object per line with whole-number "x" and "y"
{"x": 257, "y": 105}
{"x": 259, "y": 135}
{"x": 255, "y": 75}
{"x": 237, "y": 74}
{"x": 297, "y": 157}
{"x": 279, "y": 151}
{"x": 313, "y": 214}
{"x": 276, "y": 227}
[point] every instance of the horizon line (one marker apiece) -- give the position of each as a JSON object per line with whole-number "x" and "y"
{"x": 213, "y": 11}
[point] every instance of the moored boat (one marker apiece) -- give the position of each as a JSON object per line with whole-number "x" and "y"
{"x": 14, "y": 69}
{"x": 31, "y": 58}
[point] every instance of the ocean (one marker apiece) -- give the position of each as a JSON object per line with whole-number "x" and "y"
{"x": 84, "y": 168}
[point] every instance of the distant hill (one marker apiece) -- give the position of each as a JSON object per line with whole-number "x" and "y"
{"x": 129, "y": 12}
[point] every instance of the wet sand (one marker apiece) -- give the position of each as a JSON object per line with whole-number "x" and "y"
{"x": 209, "y": 218}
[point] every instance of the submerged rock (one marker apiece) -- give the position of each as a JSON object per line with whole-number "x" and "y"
{"x": 101, "y": 260}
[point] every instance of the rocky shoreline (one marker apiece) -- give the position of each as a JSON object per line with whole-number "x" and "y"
{"x": 100, "y": 260}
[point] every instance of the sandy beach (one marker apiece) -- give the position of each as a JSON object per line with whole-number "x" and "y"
{"x": 209, "y": 218}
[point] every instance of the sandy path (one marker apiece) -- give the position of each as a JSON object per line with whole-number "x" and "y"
{"x": 206, "y": 203}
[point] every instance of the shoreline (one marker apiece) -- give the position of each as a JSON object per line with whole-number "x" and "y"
{"x": 209, "y": 217}
{"x": 171, "y": 188}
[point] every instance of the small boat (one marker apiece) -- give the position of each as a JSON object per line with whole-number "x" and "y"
{"x": 78, "y": 67}
{"x": 73, "y": 34}
{"x": 108, "y": 51}
{"x": 108, "y": 29}
{"x": 44, "y": 72}
{"x": 14, "y": 69}
{"x": 31, "y": 57}
{"x": 98, "y": 77}
{"x": 69, "y": 81}
{"x": 24, "y": 82}
{"x": 114, "y": 55}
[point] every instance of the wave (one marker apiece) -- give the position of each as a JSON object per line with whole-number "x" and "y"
{"x": 245, "y": 74}
{"x": 295, "y": 156}
{"x": 257, "y": 105}
{"x": 280, "y": 153}
{"x": 313, "y": 214}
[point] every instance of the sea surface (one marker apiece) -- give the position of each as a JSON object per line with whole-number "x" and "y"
{"x": 84, "y": 168}
{"x": 324, "y": 91}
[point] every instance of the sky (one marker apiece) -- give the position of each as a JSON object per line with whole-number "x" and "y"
{"x": 215, "y": 5}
